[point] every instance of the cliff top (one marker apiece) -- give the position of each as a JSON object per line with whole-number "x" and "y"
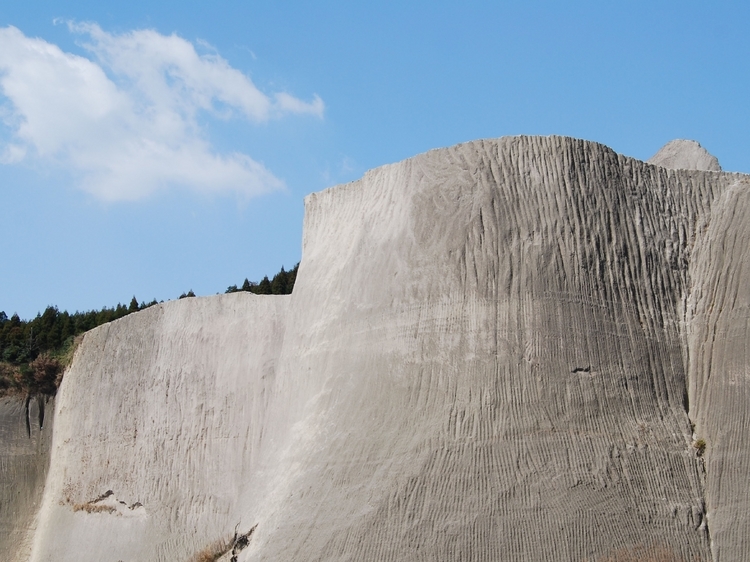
{"x": 681, "y": 154}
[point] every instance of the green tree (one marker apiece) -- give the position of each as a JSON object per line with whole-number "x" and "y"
{"x": 264, "y": 287}
{"x": 279, "y": 283}
{"x": 148, "y": 304}
{"x": 291, "y": 278}
{"x": 31, "y": 351}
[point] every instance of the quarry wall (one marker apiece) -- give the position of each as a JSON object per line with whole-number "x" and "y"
{"x": 503, "y": 350}
{"x": 25, "y": 441}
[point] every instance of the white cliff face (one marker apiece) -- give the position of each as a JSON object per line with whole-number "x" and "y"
{"x": 719, "y": 366}
{"x": 157, "y": 434}
{"x": 493, "y": 352}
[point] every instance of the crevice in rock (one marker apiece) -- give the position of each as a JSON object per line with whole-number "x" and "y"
{"x": 241, "y": 542}
{"x": 40, "y": 405}
{"x": 28, "y": 416}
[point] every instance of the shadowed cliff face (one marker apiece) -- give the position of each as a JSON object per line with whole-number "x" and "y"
{"x": 493, "y": 351}
{"x": 25, "y": 437}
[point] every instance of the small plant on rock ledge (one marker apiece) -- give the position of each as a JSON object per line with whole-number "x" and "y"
{"x": 700, "y": 446}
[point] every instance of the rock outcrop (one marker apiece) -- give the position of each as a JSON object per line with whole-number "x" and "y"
{"x": 685, "y": 155}
{"x": 515, "y": 349}
{"x": 25, "y": 439}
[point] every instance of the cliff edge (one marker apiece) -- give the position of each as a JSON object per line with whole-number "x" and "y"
{"x": 683, "y": 154}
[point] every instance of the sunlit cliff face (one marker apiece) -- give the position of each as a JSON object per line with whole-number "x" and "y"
{"x": 525, "y": 348}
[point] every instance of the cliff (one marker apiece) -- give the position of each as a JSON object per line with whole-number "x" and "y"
{"x": 25, "y": 439}
{"x": 509, "y": 349}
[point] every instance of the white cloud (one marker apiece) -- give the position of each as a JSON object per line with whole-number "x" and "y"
{"x": 126, "y": 120}
{"x": 12, "y": 154}
{"x": 285, "y": 102}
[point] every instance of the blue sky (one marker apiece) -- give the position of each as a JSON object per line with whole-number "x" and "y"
{"x": 147, "y": 150}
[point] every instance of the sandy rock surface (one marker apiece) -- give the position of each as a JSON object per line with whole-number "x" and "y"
{"x": 25, "y": 440}
{"x": 685, "y": 155}
{"x": 509, "y": 349}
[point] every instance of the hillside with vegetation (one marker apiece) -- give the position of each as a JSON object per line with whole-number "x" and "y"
{"x": 34, "y": 353}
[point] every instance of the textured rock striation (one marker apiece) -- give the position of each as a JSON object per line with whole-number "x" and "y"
{"x": 25, "y": 438}
{"x": 504, "y": 350}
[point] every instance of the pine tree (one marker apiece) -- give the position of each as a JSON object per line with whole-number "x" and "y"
{"x": 278, "y": 285}
{"x": 264, "y": 287}
{"x": 291, "y": 278}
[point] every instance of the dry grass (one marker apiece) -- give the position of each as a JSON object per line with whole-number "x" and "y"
{"x": 10, "y": 380}
{"x": 93, "y": 508}
{"x": 213, "y": 551}
{"x": 65, "y": 355}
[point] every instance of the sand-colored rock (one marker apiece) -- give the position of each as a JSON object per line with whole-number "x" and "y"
{"x": 493, "y": 351}
{"x": 25, "y": 439}
{"x": 683, "y": 154}
{"x": 171, "y": 400}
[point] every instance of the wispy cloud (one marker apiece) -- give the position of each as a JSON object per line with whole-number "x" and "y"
{"x": 125, "y": 119}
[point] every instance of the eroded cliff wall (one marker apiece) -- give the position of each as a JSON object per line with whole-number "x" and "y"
{"x": 718, "y": 361}
{"x": 25, "y": 439}
{"x": 157, "y": 428}
{"x": 492, "y": 352}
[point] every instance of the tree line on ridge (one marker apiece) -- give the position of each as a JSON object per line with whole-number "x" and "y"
{"x": 34, "y": 353}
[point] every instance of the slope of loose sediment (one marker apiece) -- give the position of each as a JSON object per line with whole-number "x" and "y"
{"x": 682, "y": 154}
{"x": 493, "y": 352}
